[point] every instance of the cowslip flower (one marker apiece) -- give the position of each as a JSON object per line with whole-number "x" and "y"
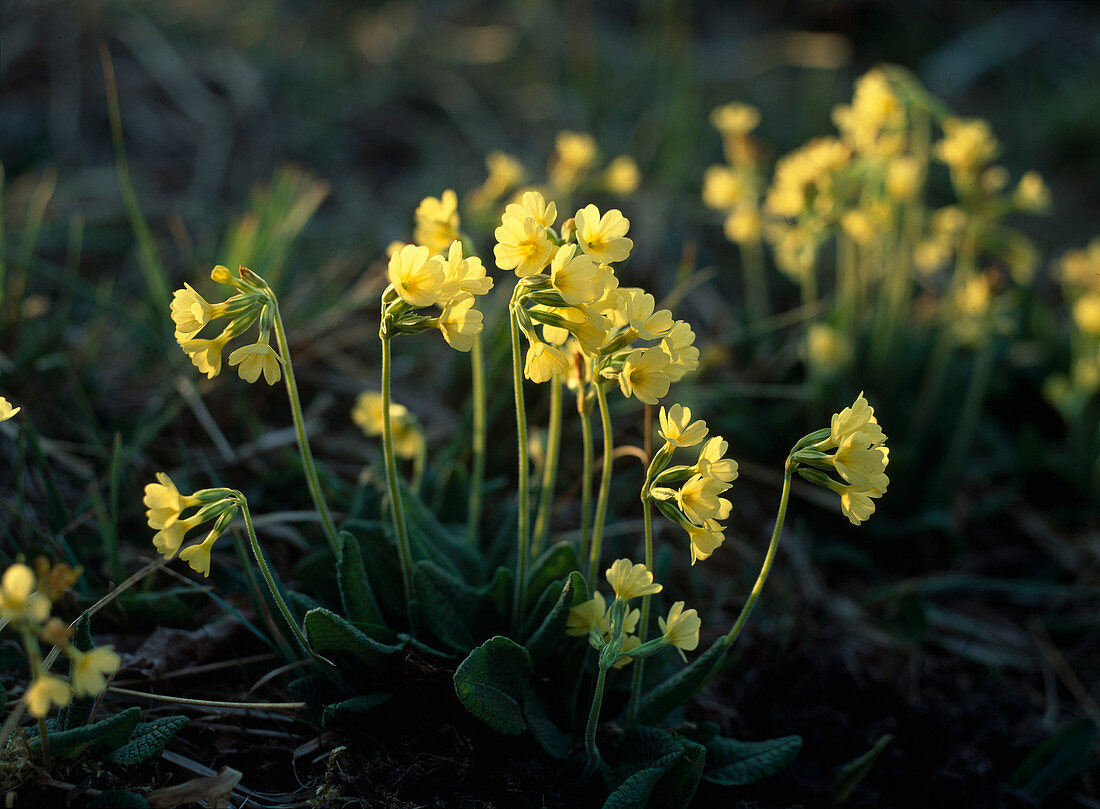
{"x": 164, "y": 502}
{"x": 90, "y": 669}
{"x": 857, "y": 460}
{"x": 735, "y": 118}
{"x": 705, "y": 540}
{"x": 408, "y": 440}
{"x": 416, "y": 275}
{"x": 437, "y": 221}
{"x": 643, "y": 375}
{"x": 191, "y": 311}
{"x": 586, "y": 616}
{"x": 18, "y": 602}
{"x": 681, "y": 629}
{"x": 257, "y": 358}
{"x": 678, "y": 429}
{"x": 622, "y": 176}
{"x": 460, "y": 323}
{"x": 47, "y": 690}
{"x": 532, "y": 205}
{"x": 206, "y": 354}
{"x": 699, "y": 499}
{"x": 522, "y": 245}
{"x": 713, "y": 463}
{"x": 577, "y": 278}
{"x": 6, "y": 410}
{"x": 638, "y": 311}
{"x": 603, "y": 238}
{"x": 583, "y": 321}
{"x": 630, "y": 580}
{"x": 543, "y": 361}
{"x": 679, "y": 344}
{"x": 463, "y": 274}
{"x": 860, "y": 417}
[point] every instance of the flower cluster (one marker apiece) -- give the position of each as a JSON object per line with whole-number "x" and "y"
{"x": 734, "y": 188}
{"x": 1078, "y": 271}
{"x": 164, "y": 512}
{"x": 6, "y": 410}
{"x": 254, "y": 303}
{"x": 617, "y": 624}
{"x": 852, "y": 448}
{"x": 696, "y": 505}
{"x": 408, "y": 437}
{"x": 25, "y": 603}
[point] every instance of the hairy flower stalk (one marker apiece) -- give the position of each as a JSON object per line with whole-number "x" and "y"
{"x": 397, "y": 510}
{"x": 605, "y": 485}
{"x": 477, "y": 446}
{"x": 522, "y": 535}
{"x": 549, "y": 469}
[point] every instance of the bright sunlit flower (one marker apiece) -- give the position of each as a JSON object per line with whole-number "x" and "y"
{"x": 860, "y": 417}
{"x": 6, "y": 410}
{"x": 644, "y": 375}
{"x": 522, "y": 246}
{"x": 164, "y": 502}
{"x": 255, "y": 359}
{"x": 622, "y": 176}
{"x": 713, "y": 463}
{"x": 90, "y": 669}
{"x": 603, "y": 238}
{"x": 679, "y": 344}
{"x": 678, "y": 429}
{"x": 699, "y": 499}
{"x": 630, "y": 580}
{"x": 206, "y": 355}
{"x": 190, "y": 312}
{"x": 47, "y": 690}
{"x": 968, "y": 144}
{"x": 416, "y": 275}
{"x": 735, "y": 118}
{"x": 543, "y": 361}
{"x": 638, "y": 311}
{"x": 576, "y": 277}
{"x": 532, "y": 205}
{"x": 460, "y": 322}
{"x": 463, "y": 275}
{"x": 681, "y": 629}
{"x": 437, "y": 221}
{"x": 705, "y": 540}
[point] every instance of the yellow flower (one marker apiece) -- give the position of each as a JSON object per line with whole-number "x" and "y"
{"x": 522, "y": 245}
{"x": 705, "y": 540}
{"x": 168, "y": 540}
{"x": 856, "y": 500}
{"x": 463, "y": 275}
{"x": 826, "y": 348}
{"x": 698, "y": 499}
{"x": 678, "y": 429}
{"x": 968, "y": 144}
{"x": 744, "y": 225}
{"x": 587, "y": 615}
{"x": 577, "y": 278}
{"x": 857, "y": 460}
{"x": 679, "y": 344}
{"x": 859, "y": 418}
{"x": 637, "y": 312}
{"x": 505, "y": 172}
{"x": 735, "y": 118}
{"x": 6, "y": 410}
{"x": 437, "y": 221}
{"x": 90, "y": 670}
{"x": 574, "y": 153}
{"x": 582, "y": 321}
{"x": 206, "y": 355}
{"x": 460, "y": 322}
{"x": 367, "y": 412}
{"x": 416, "y": 275}
{"x": 643, "y": 375}
{"x": 532, "y": 205}
{"x": 256, "y": 359}
{"x": 712, "y": 462}
{"x": 622, "y": 176}
{"x": 858, "y": 227}
{"x": 630, "y": 580}
{"x": 47, "y": 690}
{"x": 17, "y": 601}
{"x": 681, "y": 629}
{"x": 603, "y": 238}
{"x": 723, "y": 188}
{"x": 543, "y": 361}
{"x": 190, "y": 312}
{"x": 198, "y": 555}
{"x": 1086, "y": 313}
{"x": 903, "y": 177}
{"x": 164, "y": 502}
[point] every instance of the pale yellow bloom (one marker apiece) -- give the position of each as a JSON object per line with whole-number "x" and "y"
{"x": 437, "y": 221}
{"x": 744, "y": 225}
{"x": 168, "y": 540}
{"x": 6, "y": 410}
{"x": 630, "y": 580}
{"x": 416, "y": 275}
{"x": 505, "y": 172}
{"x": 826, "y": 347}
{"x": 574, "y": 153}
{"x": 699, "y": 499}
{"x": 460, "y": 322}
{"x": 206, "y": 355}
{"x": 90, "y": 670}
{"x": 522, "y": 246}
{"x": 255, "y": 359}
{"x": 47, "y": 690}
{"x": 622, "y": 176}
{"x": 713, "y": 463}
{"x": 968, "y": 144}
{"x": 857, "y": 501}
{"x": 903, "y": 177}
{"x": 198, "y": 555}
{"x": 586, "y": 616}
{"x": 367, "y": 412}
{"x": 857, "y": 460}
{"x": 583, "y": 322}
{"x": 705, "y": 540}
{"x": 1086, "y": 313}
{"x": 190, "y": 312}
{"x": 679, "y": 344}
{"x": 576, "y": 277}
{"x": 860, "y": 417}
{"x": 603, "y": 238}
{"x": 630, "y": 642}
{"x": 17, "y": 600}
{"x": 533, "y": 205}
{"x": 858, "y": 227}
{"x": 678, "y": 429}
{"x": 164, "y": 502}
{"x": 463, "y": 275}
{"x": 723, "y": 188}
{"x": 681, "y": 629}
{"x": 637, "y": 312}
{"x": 735, "y": 118}
{"x": 543, "y": 361}
{"x": 643, "y": 375}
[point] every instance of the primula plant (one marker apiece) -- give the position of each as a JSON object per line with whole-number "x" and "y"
{"x": 534, "y": 645}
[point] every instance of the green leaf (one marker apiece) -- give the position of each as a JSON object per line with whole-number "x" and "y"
{"x": 1056, "y": 759}
{"x": 558, "y": 561}
{"x": 148, "y": 740}
{"x": 384, "y": 571}
{"x": 315, "y": 690}
{"x": 105, "y": 735}
{"x": 459, "y": 615}
{"x": 677, "y": 787}
{"x": 551, "y": 632}
{"x": 856, "y": 770}
{"x": 492, "y": 682}
{"x": 348, "y": 711}
{"x": 550, "y": 737}
{"x": 642, "y": 757}
{"x": 734, "y": 763}
{"x": 328, "y": 632}
{"x": 118, "y": 799}
{"x": 79, "y": 710}
{"x": 355, "y": 590}
{"x": 655, "y": 704}
{"x": 430, "y": 540}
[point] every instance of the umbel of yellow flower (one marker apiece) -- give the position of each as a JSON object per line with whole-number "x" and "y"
{"x": 90, "y": 669}
{"x": 18, "y": 601}
{"x": 644, "y": 376}
{"x": 679, "y": 344}
{"x": 47, "y": 690}
{"x": 416, "y": 275}
{"x": 705, "y": 540}
{"x": 713, "y": 463}
{"x": 678, "y": 429}
{"x": 699, "y": 499}
{"x": 6, "y": 410}
{"x": 603, "y": 238}
{"x": 622, "y": 176}
{"x": 681, "y": 629}
{"x": 630, "y": 580}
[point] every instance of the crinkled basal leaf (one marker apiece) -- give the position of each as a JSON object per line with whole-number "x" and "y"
{"x": 384, "y": 571}
{"x": 640, "y": 760}
{"x": 492, "y": 682}
{"x": 734, "y": 763}
{"x": 328, "y": 632}
{"x": 148, "y": 740}
{"x": 350, "y": 709}
{"x": 551, "y": 632}
{"x": 677, "y": 787}
{"x": 556, "y": 563}
{"x": 456, "y": 613}
{"x": 431, "y": 540}
{"x": 104, "y": 735}
{"x": 549, "y": 736}
{"x": 356, "y": 595}
{"x": 680, "y": 687}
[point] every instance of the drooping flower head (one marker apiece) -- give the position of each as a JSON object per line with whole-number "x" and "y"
{"x": 630, "y": 580}
{"x": 681, "y": 629}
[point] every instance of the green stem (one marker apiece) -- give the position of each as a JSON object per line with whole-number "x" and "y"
{"x": 590, "y": 730}
{"x": 643, "y": 626}
{"x": 477, "y": 449}
{"x": 755, "y": 280}
{"x": 522, "y": 540}
{"x": 549, "y": 469}
{"x": 605, "y": 486}
{"x": 44, "y": 734}
{"x": 420, "y": 460}
{"x": 971, "y": 408}
{"x": 397, "y": 508}
{"x": 313, "y": 480}
{"x": 586, "y": 476}
{"x": 261, "y": 563}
